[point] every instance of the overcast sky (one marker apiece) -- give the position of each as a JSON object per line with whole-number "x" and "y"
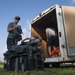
{"x": 27, "y": 10}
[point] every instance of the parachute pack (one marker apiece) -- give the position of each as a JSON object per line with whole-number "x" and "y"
{"x": 25, "y": 56}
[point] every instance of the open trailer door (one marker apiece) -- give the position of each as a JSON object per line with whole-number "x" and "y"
{"x": 69, "y": 23}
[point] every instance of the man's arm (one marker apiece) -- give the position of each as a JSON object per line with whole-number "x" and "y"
{"x": 10, "y": 27}
{"x": 47, "y": 35}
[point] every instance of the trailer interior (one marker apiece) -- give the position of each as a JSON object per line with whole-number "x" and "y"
{"x": 49, "y": 20}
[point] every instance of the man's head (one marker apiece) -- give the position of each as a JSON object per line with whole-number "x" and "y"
{"x": 16, "y": 19}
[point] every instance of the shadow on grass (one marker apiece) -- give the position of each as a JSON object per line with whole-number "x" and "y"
{"x": 63, "y": 70}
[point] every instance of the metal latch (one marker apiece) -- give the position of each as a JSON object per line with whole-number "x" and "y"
{"x": 59, "y": 13}
{"x": 63, "y": 46}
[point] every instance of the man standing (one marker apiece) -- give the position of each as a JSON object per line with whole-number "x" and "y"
{"x": 11, "y": 41}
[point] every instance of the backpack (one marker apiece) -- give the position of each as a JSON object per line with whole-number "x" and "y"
{"x": 17, "y": 33}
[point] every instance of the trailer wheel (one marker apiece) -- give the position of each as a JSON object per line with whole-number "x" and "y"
{"x": 55, "y": 64}
{"x": 46, "y": 65}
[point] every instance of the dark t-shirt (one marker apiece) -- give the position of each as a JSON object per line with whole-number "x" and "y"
{"x": 11, "y": 25}
{"x": 56, "y": 41}
{"x": 53, "y": 41}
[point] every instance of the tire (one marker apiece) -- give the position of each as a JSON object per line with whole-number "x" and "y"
{"x": 56, "y": 65}
{"x": 46, "y": 65}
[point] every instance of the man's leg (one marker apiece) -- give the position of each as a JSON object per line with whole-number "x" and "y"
{"x": 10, "y": 42}
{"x": 49, "y": 50}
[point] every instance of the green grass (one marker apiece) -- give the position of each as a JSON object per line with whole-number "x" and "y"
{"x": 46, "y": 71}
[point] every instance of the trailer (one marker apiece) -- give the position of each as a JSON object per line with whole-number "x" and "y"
{"x": 62, "y": 19}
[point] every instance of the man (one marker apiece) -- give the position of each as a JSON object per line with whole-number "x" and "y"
{"x": 11, "y": 40}
{"x": 50, "y": 35}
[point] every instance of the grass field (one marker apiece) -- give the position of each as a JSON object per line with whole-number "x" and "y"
{"x": 63, "y": 70}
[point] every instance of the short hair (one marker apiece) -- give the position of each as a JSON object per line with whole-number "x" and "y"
{"x": 17, "y": 18}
